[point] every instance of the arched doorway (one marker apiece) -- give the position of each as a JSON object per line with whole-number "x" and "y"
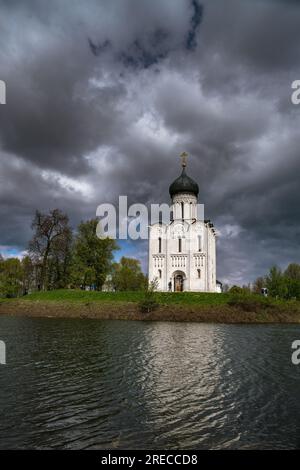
{"x": 178, "y": 281}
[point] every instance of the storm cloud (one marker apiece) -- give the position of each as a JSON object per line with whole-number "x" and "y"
{"x": 102, "y": 97}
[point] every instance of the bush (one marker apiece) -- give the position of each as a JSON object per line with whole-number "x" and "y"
{"x": 149, "y": 301}
{"x": 237, "y": 290}
{"x": 252, "y": 303}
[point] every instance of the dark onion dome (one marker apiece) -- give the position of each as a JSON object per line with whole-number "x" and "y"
{"x": 184, "y": 184}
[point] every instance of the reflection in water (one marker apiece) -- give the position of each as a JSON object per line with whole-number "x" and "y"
{"x": 92, "y": 384}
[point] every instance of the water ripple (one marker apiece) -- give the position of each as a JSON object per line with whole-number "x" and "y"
{"x": 85, "y": 384}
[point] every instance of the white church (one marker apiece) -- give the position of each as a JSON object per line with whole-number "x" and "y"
{"x": 182, "y": 253}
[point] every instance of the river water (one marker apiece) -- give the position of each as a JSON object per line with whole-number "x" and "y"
{"x": 90, "y": 384}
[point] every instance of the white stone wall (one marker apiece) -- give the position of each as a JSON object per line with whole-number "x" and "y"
{"x": 197, "y": 259}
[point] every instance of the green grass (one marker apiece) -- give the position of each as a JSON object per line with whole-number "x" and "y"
{"x": 164, "y": 298}
{"x": 181, "y": 306}
{"x": 246, "y": 302}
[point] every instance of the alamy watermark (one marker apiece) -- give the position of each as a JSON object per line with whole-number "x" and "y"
{"x": 2, "y": 92}
{"x": 133, "y": 222}
{"x": 296, "y": 353}
{"x": 295, "y": 96}
{"x": 2, "y": 353}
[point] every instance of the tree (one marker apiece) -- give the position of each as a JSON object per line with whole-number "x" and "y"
{"x": 259, "y": 283}
{"x": 246, "y": 288}
{"x": 11, "y": 275}
{"x": 28, "y": 274}
{"x": 127, "y": 275}
{"x": 292, "y": 280}
{"x": 225, "y": 288}
{"x": 92, "y": 256}
{"x": 149, "y": 301}
{"x": 60, "y": 261}
{"x": 285, "y": 285}
{"x": 293, "y": 271}
{"x": 51, "y": 241}
{"x": 292, "y": 288}
{"x": 275, "y": 283}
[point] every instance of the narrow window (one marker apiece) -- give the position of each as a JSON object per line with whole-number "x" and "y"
{"x": 199, "y": 273}
{"x": 159, "y": 273}
{"x": 182, "y": 210}
{"x": 179, "y": 245}
{"x": 199, "y": 242}
{"x": 159, "y": 245}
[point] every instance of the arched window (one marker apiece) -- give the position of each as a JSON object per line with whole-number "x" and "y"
{"x": 199, "y": 242}
{"x": 159, "y": 245}
{"x": 159, "y": 273}
{"x": 179, "y": 245}
{"x": 199, "y": 273}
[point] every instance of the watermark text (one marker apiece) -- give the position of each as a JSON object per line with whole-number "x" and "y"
{"x": 295, "y": 96}
{"x": 2, "y": 353}
{"x": 296, "y": 353}
{"x": 2, "y": 92}
{"x": 133, "y": 222}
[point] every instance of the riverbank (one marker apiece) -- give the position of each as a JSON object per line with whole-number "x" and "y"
{"x": 193, "y": 307}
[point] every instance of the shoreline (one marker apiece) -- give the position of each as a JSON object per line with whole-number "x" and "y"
{"x": 130, "y": 311}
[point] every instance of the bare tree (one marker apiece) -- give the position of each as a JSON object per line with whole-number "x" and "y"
{"x": 51, "y": 231}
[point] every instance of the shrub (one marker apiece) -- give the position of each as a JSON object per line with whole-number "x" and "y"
{"x": 149, "y": 301}
{"x": 237, "y": 290}
{"x": 252, "y": 303}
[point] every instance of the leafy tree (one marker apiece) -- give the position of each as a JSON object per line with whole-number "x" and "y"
{"x": 293, "y": 271}
{"x": 275, "y": 283}
{"x": 11, "y": 276}
{"x": 127, "y": 275}
{"x": 285, "y": 285}
{"x": 28, "y": 274}
{"x": 292, "y": 288}
{"x": 292, "y": 280}
{"x": 92, "y": 256}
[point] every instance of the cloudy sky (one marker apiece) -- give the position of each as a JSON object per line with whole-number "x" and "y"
{"x": 102, "y": 97}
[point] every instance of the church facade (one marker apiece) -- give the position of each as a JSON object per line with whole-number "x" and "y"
{"x": 182, "y": 253}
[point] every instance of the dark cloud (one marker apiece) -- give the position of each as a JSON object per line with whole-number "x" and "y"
{"x": 97, "y": 49}
{"x": 191, "y": 41}
{"x": 103, "y": 96}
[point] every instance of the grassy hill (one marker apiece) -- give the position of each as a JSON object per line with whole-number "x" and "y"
{"x": 181, "y": 306}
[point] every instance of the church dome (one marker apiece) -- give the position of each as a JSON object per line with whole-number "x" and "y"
{"x": 184, "y": 184}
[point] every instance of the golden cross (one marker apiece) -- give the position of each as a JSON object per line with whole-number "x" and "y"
{"x": 183, "y": 157}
